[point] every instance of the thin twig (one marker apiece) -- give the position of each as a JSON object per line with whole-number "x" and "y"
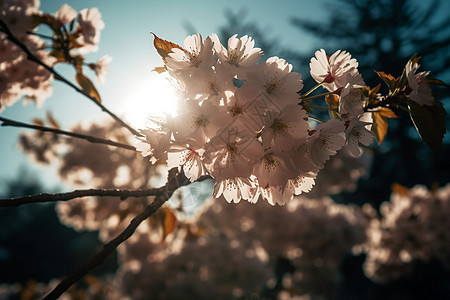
{"x": 10, "y": 36}
{"x": 321, "y": 107}
{"x": 100, "y": 257}
{"x": 46, "y": 197}
{"x": 92, "y": 139}
{"x": 174, "y": 181}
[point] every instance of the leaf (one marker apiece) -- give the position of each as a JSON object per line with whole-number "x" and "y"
{"x": 380, "y": 123}
{"x": 38, "y": 122}
{"x": 169, "y": 222}
{"x": 159, "y": 70}
{"x": 47, "y": 19}
{"x": 88, "y": 87}
{"x": 429, "y": 122}
{"x": 52, "y": 120}
{"x": 389, "y": 79}
{"x": 164, "y": 47}
{"x": 433, "y": 81}
{"x": 400, "y": 189}
{"x": 333, "y": 102}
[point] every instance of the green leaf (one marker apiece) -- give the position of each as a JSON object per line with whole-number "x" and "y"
{"x": 88, "y": 87}
{"x": 429, "y": 122}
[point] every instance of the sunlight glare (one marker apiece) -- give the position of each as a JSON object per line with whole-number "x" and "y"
{"x": 153, "y": 97}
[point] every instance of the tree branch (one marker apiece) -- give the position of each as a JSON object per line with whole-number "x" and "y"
{"x": 174, "y": 181}
{"x": 10, "y": 36}
{"x": 46, "y": 197}
{"x": 100, "y": 257}
{"x": 92, "y": 139}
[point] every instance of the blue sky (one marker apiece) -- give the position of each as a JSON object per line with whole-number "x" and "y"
{"x": 127, "y": 39}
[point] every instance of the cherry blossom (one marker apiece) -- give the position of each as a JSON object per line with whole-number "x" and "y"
{"x": 332, "y": 71}
{"x": 89, "y": 25}
{"x": 195, "y": 53}
{"x": 420, "y": 89}
{"x": 240, "y": 53}
{"x": 65, "y": 14}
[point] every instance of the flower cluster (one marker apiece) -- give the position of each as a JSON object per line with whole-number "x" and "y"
{"x": 23, "y": 77}
{"x": 240, "y": 121}
{"x": 19, "y": 76}
{"x": 413, "y": 227}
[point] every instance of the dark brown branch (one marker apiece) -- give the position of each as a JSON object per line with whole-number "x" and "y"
{"x": 42, "y": 198}
{"x": 10, "y": 36}
{"x": 174, "y": 181}
{"x": 92, "y": 139}
{"x": 100, "y": 257}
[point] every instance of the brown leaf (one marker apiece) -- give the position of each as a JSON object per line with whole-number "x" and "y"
{"x": 52, "y": 120}
{"x": 163, "y": 47}
{"x": 400, "y": 189}
{"x": 386, "y": 112}
{"x": 88, "y": 87}
{"x": 429, "y": 122}
{"x": 433, "y": 81}
{"x": 159, "y": 70}
{"x": 389, "y": 79}
{"x": 333, "y": 102}
{"x": 38, "y": 122}
{"x": 170, "y": 222}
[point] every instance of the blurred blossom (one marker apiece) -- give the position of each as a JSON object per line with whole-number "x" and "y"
{"x": 412, "y": 227}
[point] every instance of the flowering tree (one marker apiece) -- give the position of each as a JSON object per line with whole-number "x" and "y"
{"x": 243, "y": 123}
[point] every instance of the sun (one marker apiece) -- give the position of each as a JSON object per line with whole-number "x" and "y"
{"x": 151, "y": 97}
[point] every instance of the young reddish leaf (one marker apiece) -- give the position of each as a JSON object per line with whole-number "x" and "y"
{"x": 429, "y": 122}
{"x": 380, "y": 123}
{"x": 400, "y": 189}
{"x": 88, "y": 87}
{"x": 159, "y": 70}
{"x": 163, "y": 47}
{"x": 52, "y": 120}
{"x": 170, "y": 222}
{"x": 389, "y": 79}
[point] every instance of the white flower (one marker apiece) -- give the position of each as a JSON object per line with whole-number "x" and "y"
{"x": 273, "y": 169}
{"x": 290, "y": 122}
{"x": 101, "y": 68}
{"x": 189, "y": 157}
{"x": 158, "y": 136}
{"x": 332, "y": 71}
{"x": 229, "y": 154}
{"x": 240, "y": 53}
{"x": 89, "y": 25}
{"x": 326, "y": 141}
{"x": 195, "y": 53}
{"x": 271, "y": 85}
{"x": 356, "y": 133}
{"x": 421, "y": 91}
{"x": 195, "y": 121}
{"x": 235, "y": 189}
{"x": 351, "y": 101}
{"x": 65, "y": 14}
